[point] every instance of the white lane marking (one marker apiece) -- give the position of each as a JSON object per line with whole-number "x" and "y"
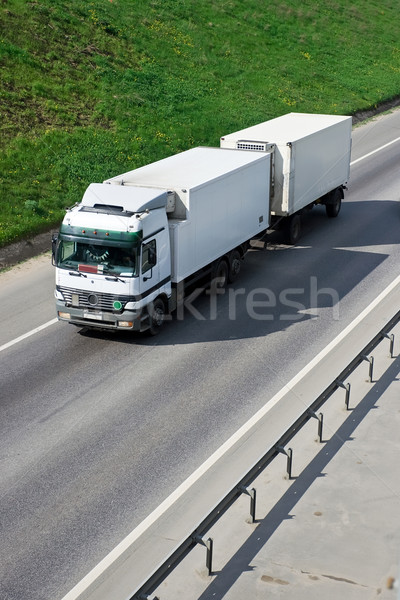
{"x": 124, "y": 545}
{"x": 26, "y": 335}
{"x": 385, "y": 249}
{"x": 374, "y": 151}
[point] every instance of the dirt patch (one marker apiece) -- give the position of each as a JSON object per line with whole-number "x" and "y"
{"x": 269, "y": 579}
{"x": 363, "y": 115}
{"x": 19, "y": 251}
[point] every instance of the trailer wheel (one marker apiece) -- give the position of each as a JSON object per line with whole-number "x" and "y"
{"x": 219, "y": 276}
{"x": 156, "y": 316}
{"x": 235, "y": 264}
{"x": 293, "y": 229}
{"x": 333, "y": 207}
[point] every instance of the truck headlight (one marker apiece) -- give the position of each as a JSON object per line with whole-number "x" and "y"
{"x": 130, "y": 306}
{"x": 58, "y": 295}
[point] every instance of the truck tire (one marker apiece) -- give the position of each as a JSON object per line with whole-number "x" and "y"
{"x": 235, "y": 264}
{"x": 156, "y": 316}
{"x": 293, "y": 228}
{"x": 333, "y": 207}
{"x": 219, "y": 276}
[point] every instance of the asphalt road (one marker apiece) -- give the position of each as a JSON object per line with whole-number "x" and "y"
{"x": 97, "y": 429}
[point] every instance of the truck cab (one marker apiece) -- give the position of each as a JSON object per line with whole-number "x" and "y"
{"x": 112, "y": 258}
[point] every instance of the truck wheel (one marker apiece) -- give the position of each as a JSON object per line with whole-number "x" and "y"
{"x": 156, "y": 316}
{"x": 235, "y": 265}
{"x": 333, "y": 208}
{"x": 293, "y": 229}
{"x": 219, "y": 276}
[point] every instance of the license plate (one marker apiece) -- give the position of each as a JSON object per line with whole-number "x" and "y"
{"x": 96, "y": 316}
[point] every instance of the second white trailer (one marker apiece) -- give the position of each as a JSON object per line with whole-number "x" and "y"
{"x": 311, "y": 159}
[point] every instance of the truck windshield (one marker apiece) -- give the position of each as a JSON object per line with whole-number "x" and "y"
{"x": 82, "y": 256}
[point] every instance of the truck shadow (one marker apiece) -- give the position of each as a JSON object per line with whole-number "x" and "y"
{"x": 281, "y": 286}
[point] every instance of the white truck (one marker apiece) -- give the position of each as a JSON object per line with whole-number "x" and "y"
{"x": 127, "y": 253}
{"x": 310, "y": 162}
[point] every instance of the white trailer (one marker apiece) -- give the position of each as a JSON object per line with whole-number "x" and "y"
{"x": 311, "y": 162}
{"x": 218, "y": 200}
{"x": 144, "y": 235}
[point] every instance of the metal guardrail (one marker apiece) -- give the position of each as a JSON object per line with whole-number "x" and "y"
{"x": 242, "y": 486}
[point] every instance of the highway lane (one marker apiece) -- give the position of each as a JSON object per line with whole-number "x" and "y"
{"x": 26, "y": 298}
{"x": 97, "y": 429}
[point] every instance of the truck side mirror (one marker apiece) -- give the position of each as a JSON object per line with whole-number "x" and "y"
{"x": 54, "y": 240}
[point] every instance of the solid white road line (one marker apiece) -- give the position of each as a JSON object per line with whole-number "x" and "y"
{"x": 374, "y": 151}
{"x": 26, "y": 335}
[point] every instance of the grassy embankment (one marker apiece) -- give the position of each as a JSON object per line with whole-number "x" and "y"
{"x": 90, "y": 89}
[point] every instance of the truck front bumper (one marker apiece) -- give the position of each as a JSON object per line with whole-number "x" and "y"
{"x": 126, "y": 320}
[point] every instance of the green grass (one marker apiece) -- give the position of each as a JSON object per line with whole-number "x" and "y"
{"x": 92, "y": 89}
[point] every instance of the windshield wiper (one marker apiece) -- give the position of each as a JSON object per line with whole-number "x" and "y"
{"x": 77, "y": 274}
{"x": 115, "y": 278}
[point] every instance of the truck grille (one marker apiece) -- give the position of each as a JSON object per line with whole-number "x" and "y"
{"x": 95, "y": 300}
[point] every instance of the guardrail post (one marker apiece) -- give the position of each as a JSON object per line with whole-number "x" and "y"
{"x": 252, "y": 493}
{"x": 289, "y": 454}
{"x": 320, "y": 426}
{"x": 391, "y": 338}
{"x": 346, "y": 387}
{"x": 289, "y": 463}
{"x": 209, "y": 544}
{"x": 369, "y": 359}
{"x": 320, "y": 419}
